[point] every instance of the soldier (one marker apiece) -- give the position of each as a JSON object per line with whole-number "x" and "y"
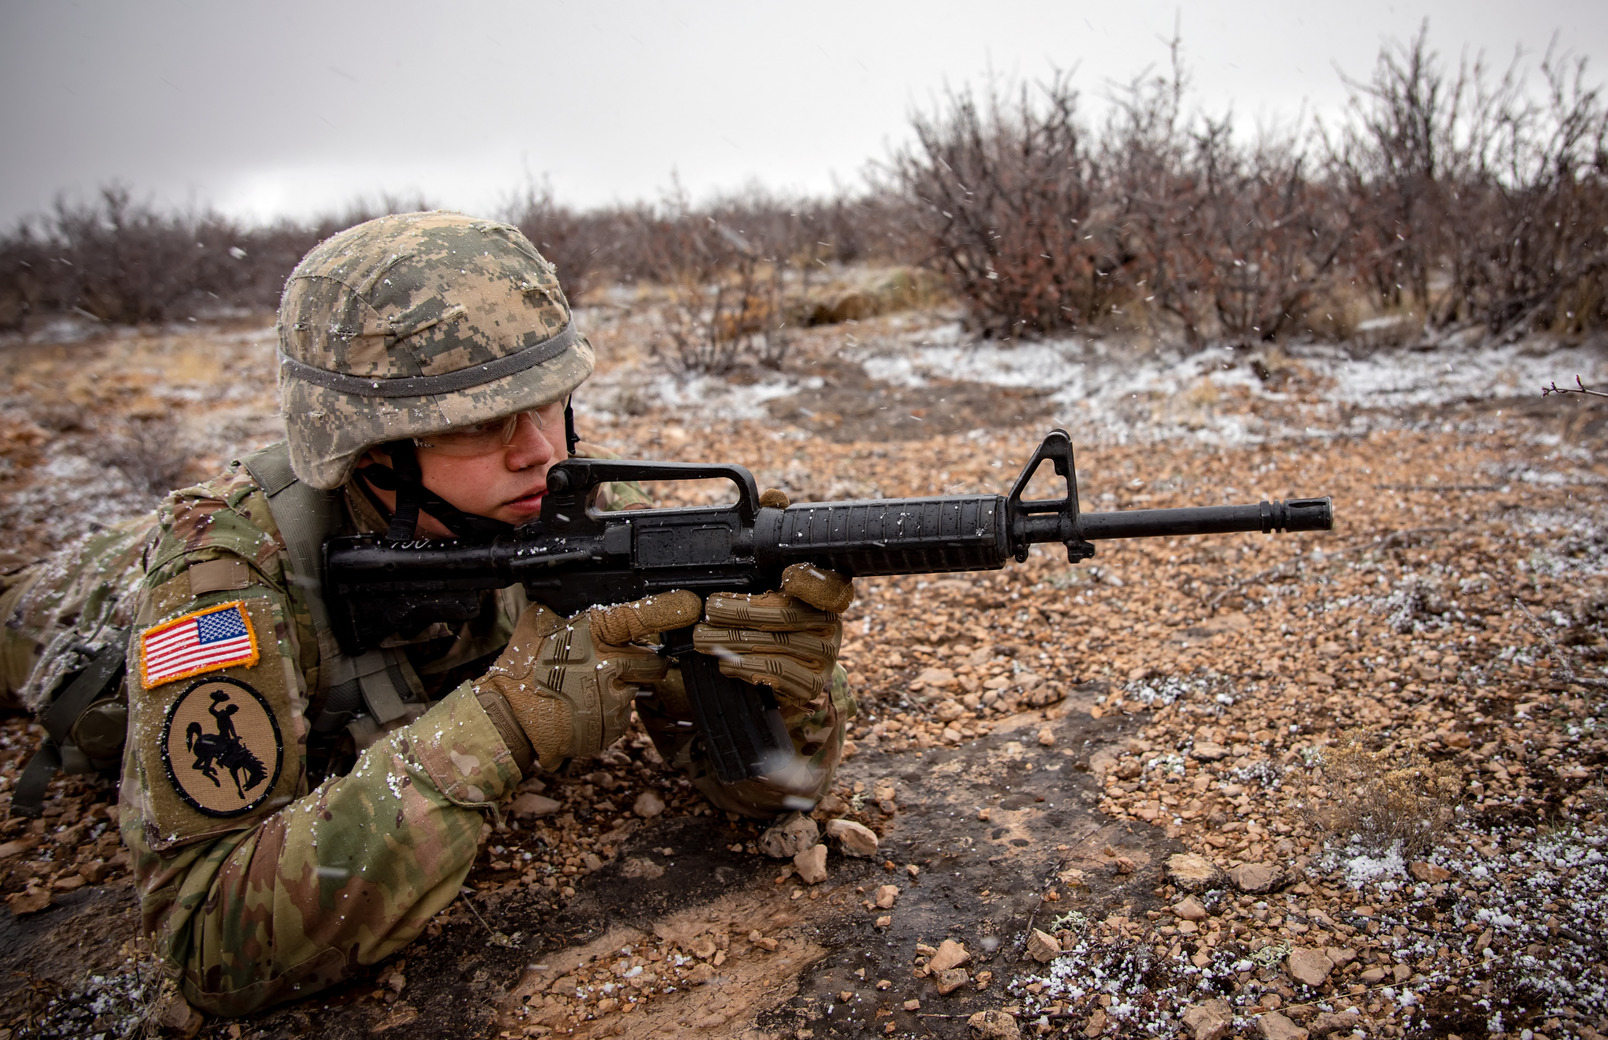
{"x": 295, "y": 812}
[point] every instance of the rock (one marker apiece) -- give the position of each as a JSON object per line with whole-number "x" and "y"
{"x": 1102, "y": 762}
{"x": 1191, "y": 872}
{"x": 1206, "y": 751}
{"x": 949, "y": 711}
{"x": 1096, "y": 1023}
{"x": 1042, "y": 946}
{"x": 886, "y": 896}
{"x": 1255, "y": 878}
{"x": 884, "y": 921}
{"x": 528, "y": 805}
{"x": 1428, "y": 873}
{"x": 856, "y": 839}
{"x": 1275, "y": 1026}
{"x": 951, "y": 954}
{"x": 1189, "y": 909}
{"x": 940, "y": 677}
{"x": 1046, "y": 737}
{"x": 1308, "y": 967}
{"x": 1328, "y": 1023}
{"x": 883, "y": 793}
{"x": 30, "y": 901}
{"x": 994, "y": 1024}
{"x": 797, "y": 833}
{"x": 1340, "y": 956}
{"x": 811, "y": 864}
{"x": 648, "y": 805}
{"x": 950, "y": 979}
{"x": 1209, "y": 1021}
{"x": 13, "y": 849}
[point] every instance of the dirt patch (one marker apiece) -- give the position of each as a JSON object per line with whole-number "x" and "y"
{"x": 849, "y": 405}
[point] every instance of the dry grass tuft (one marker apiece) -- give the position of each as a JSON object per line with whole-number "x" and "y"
{"x": 1388, "y": 796}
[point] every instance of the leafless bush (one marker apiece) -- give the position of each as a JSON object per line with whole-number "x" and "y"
{"x": 150, "y": 453}
{"x": 1230, "y": 239}
{"x": 1004, "y": 191}
{"x": 1483, "y": 204}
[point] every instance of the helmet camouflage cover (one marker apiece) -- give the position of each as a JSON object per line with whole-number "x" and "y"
{"x": 416, "y": 323}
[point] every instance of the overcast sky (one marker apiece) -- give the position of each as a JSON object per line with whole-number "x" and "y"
{"x": 295, "y": 108}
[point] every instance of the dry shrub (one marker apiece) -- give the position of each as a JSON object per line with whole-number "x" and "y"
{"x": 151, "y": 453}
{"x": 1004, "y": 194}
{"x": 1482, "y": 202}
{"x": 1389, "y": 796}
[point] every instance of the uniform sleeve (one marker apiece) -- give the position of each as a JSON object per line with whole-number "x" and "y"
{"x": 256, "y": 888}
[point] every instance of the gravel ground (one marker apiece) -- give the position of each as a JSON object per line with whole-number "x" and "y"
{"x": 1346, "y": 783}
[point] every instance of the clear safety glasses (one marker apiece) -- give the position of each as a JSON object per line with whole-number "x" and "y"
{"x": 492, "y": 435}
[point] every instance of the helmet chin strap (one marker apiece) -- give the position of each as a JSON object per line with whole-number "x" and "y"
{"x": 405, "y": 480}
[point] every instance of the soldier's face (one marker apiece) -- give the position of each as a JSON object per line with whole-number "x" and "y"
{"x": 507, "y": 484}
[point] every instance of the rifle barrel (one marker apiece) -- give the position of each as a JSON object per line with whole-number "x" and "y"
{"x": 1301, "y": 514}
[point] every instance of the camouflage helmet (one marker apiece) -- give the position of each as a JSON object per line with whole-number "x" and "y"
{"x": 416, "y": 323}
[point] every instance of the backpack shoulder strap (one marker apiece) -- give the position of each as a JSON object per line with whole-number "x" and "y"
{"x": 306, "y": 517}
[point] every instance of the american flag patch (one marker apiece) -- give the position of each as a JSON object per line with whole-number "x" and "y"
{"x": 218, "y": 637}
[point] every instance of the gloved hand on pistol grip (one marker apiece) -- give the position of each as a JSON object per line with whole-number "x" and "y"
{"x": 570, "y": 683}
{"x": 787, "y": 640}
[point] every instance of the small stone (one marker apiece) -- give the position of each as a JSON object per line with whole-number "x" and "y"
{"x": 912, "y": 870}
{"x": 1102, "y": 762}
{"x": 1189, "y": 909}
{"x": 950, "y": 954}
{"x": 912, "y": 1005}
{"x": 1328, "y": 1023}
{"x": 1046, "y": 737}
{"x": 1191, "y": 872}
{"x": 940, "y": 677}
{"x": 795, "y": 834}
{"x": 886, "y": 896}
{"x": 1096, "y": 1023}
{"x": 951, "y": 979}
{"x": 531, "y": 804}
{"x": 1042, "y": 946}
{"x": 855, "y": 839}
{"x": 1275, "y": 1026}
{"x": 648, "y": 805}
{"x": 884, "y": 921}
{"x": 1428, "y": 873}
{"x": 994, "y": 1024}
{"x": 811, "y": 864}
{"x": 949, "y": 711}
{"x": 1309, "y": 967}
{"x": 30, "y": 901}
{"x": 1209, "y": 1021}
{"x": 1206, "y": 751}
{"x": 1255, "y": 878}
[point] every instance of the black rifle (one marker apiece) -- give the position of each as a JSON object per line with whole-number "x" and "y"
{"x": 574, "y": 557}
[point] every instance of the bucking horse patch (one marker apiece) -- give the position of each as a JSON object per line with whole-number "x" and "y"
{"x": 222, "y": 747}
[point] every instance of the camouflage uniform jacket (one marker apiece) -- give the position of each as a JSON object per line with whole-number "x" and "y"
{"x": 261, "y": 880}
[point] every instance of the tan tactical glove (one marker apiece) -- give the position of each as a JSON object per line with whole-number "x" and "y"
{"x": 570, "y": 683}
{"x": 787, "y": 640}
